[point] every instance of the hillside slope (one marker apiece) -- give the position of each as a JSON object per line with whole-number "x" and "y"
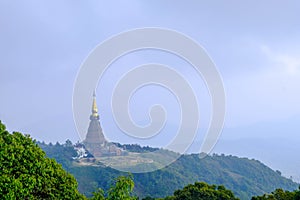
{"x": 246, "y": 178}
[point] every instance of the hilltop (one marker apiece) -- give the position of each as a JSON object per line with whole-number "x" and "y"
{"x": 245, "y": 177}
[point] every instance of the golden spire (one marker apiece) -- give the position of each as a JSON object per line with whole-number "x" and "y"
{"x": 95, "y": 114}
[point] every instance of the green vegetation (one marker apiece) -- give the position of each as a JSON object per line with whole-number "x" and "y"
{"x": 246, "y": 178}
{"x": 61, "y": 153}
{"x": 25, "y": 172}
{"x": 136, "y": 148}
{"x": 280, "y": 194}
{"x": 202, "y": 191}
{"x": 121, "y": 190}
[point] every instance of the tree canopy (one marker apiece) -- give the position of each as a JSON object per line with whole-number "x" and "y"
{"x": 202, "y": 191}
{"x": 120, "y": 190}
{"x": 280, "y": 194}
{"x": 245, "y": 177}
{"x": 26, "y": 173}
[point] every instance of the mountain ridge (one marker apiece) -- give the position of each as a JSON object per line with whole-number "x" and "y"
{"x": 245, "y": 177}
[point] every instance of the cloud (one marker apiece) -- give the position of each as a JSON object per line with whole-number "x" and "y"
{"x": 268, "y": 93}
{"x": 289, "y": 64}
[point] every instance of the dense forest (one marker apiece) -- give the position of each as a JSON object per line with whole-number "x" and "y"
{"x": 27, "y": 172}
{"x": 245, "y": 177}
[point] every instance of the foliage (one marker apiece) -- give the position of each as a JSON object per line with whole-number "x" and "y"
{"x": 202, "y": 191}
{"x": 25, "y": 172}
{"x": 148, "y": 198}
{"x": 136, "y": 148}
{"x": 280, "y": 194}
{"x": 98, "y": 195}
{"x": 245, "y": 177}
{"x": 120, "y": 190}
{"x": 62, "y": 153}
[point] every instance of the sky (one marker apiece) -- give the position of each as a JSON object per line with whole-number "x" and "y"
{"x": 254, "y": 45}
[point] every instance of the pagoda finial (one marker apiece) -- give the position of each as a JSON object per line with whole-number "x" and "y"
{"x": 95, "y": 114}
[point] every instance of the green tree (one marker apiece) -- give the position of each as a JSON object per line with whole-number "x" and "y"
{"x": 202, "y": 191}
{"x": 148, "y": 198}
{"x": 26, "y": 173}
{"x": 279, "y": 194}
{"x": 122, "y": 189}
{"x": 98, "y": 195}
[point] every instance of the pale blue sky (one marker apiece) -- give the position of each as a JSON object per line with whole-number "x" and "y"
{"x": 255, "y": 45}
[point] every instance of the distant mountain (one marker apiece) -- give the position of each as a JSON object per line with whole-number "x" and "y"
{"x": 246, "y": 178}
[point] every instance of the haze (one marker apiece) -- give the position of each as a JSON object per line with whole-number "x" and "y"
{"x": 255, "y": 46}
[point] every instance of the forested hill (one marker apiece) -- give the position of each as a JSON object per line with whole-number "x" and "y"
{"x": 245, "y": 177}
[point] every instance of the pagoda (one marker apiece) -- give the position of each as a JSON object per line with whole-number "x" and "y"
{"x": 95, "y": 141}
